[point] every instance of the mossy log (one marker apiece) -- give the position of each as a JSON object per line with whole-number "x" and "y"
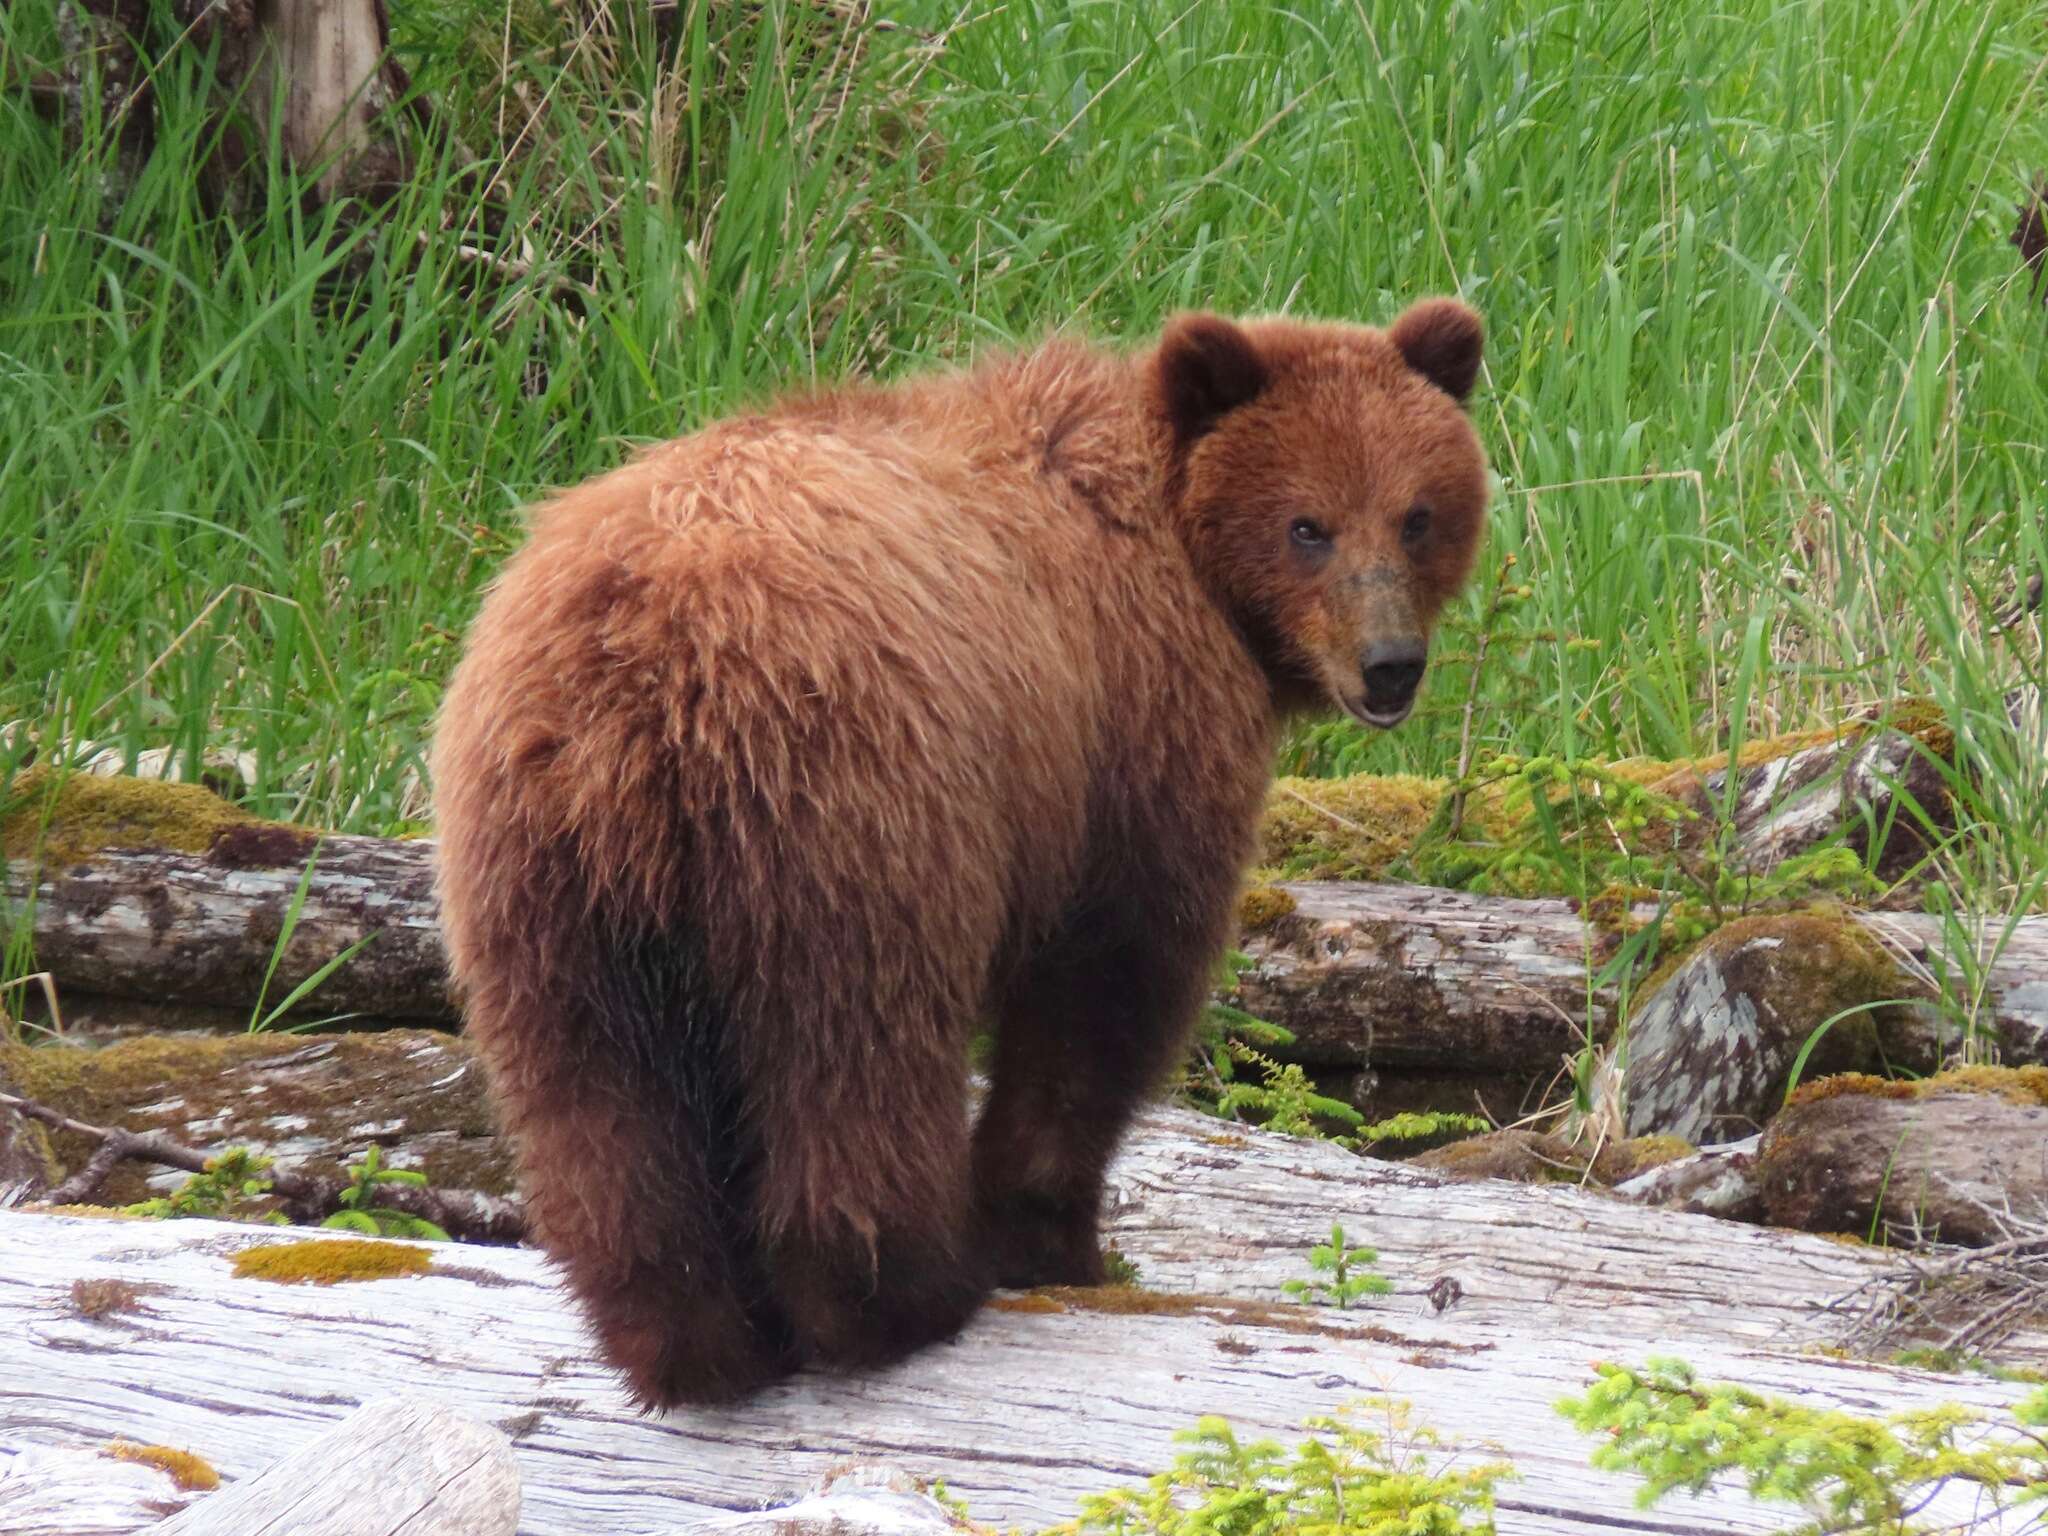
{"x": 1503, "y": 1295}
{"x": 314, "y": 1105}
{"x": 167, "y": 894}
{"x": 1709, "y": 1054}
{"x": 1413, "y": 978}
{"x": 1961, "y": 1158}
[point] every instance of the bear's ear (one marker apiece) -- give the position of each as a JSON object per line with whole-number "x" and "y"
{"x": 1208, "y": 367}
{"x": 1442, "y": 340}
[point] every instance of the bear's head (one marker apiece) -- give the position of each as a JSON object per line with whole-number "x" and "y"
{"x": 1330, "y": 490}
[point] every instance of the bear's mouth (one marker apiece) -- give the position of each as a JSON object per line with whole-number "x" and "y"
{"x": 1381, "y": 720}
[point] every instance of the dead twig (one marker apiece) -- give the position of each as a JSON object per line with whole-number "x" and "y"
{"x": 462, "y": 1213}
{"x": 1964, "y": 1301}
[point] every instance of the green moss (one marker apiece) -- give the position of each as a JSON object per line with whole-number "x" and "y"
{"x": 1344, "y": 829}
{"x": 1262, "y": 906}
{"x": 2016, "y": 1085}
{"x": 1639, "y": 1154}
{"x": 332, "y": 1263}
{"x": 73, "y": 816}
{"x": 1520, "y": 1155}
{"x": 189, "y": 1472}
{"x": 1360, "y": 827}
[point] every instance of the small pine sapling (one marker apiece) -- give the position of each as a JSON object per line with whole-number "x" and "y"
{"x": 359, "y": 1209}
{"x": 231, "y": 1188}
{"x": 1348, "y": 1479}
{"x": 1342, "y": 1274}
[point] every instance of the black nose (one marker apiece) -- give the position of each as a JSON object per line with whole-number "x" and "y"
{"x": 1392, "y": 673}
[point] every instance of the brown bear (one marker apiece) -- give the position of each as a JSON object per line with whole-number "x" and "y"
{"x": 797, "y": 751}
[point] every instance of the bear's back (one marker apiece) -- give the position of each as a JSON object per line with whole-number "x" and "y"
{"x": 917, "y": 606}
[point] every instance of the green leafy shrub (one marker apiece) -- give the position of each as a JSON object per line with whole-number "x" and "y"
{"x": 1848, "y": 1473}
{"x": 1349, "y": 1478}
{"x": 233, "y": 1187}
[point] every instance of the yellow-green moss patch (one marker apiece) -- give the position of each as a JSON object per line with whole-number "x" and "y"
{"x": 1262, "y": 906}
{"x": 191, "y": 1473}
{"x": 332, "y": 1263}
{"x": 1028, "y": 1301}
{"x": 1524, "y": 1156}
{"x": 2016, "y": 1085}
{"x": 1344, "y": 829}
{"x": 75, "y": 816}
{"x": 1639, "y": 1154}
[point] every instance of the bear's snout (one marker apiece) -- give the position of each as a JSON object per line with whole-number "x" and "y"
{"x": 1393, "y": 671}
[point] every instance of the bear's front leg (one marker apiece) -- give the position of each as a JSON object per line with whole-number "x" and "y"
{"x": 1086, "y": 1035}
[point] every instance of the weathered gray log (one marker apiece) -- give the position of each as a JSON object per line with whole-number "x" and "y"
{"x": 1042, "y": 1399}
{"x": 398, "y": 1466}
{"x": 1937, "y": 1160}
{"x": 205, "y": 925}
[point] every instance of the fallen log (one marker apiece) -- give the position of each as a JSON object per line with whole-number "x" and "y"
{"x": 166, "y": 893}
{"x": 1412, "y": 977}
{"x": 429, "y": 1472}
{"x": 1504, "y": 1295}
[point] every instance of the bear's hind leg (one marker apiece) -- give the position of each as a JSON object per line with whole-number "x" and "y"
{"x": 1087, "y": 1034}
{"x": 864, "y": 1206}
{"x": 633, "y": 1176}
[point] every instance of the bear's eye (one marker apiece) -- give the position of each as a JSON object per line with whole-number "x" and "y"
{"x": 1415, "y": 525}
{"x": 1309, "y": 534}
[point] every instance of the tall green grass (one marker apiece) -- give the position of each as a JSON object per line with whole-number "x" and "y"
{"x": 1765, "y": 385}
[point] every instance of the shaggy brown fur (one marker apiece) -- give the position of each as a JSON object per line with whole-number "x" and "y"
{"x": 788, "y": 754}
